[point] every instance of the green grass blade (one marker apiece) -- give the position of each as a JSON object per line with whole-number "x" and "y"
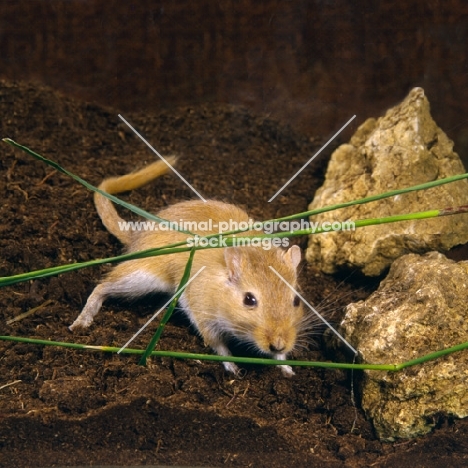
{"x": 246, "y": 360}
{"x": 175, "y": 248}
{"x": 53, "y": 271}
{"x": 432, "y": 356}
{"x": 361, "y": 201}
{"x": 182, "y": 285}
{"x": 89, "y": 186}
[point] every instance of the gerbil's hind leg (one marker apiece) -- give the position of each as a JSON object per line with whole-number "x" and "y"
{"x": 121, "y": 283}
{"x": 92, "y": 307}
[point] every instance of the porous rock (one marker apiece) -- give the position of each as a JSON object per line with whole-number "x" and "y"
{"x": 401, "y": 149}
{"x": 420, "y": 308}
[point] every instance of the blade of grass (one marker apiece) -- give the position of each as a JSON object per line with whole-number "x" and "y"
{"x": 118, "y": 201}
{"x": 228, "y": 241}
{"x": 53, "y": 271}
{"x": 245, "y": 360}
{"x": 182, "y": 285}
{"x": 381, "y": 196}
{"x": 10, "y": 384}
{"x": 159, "y": 311}
{"x": 29, "y": 312}
{"x": 432, "y": 356}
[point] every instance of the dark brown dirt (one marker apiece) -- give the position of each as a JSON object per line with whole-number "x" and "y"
{"x": 61, "y": 407}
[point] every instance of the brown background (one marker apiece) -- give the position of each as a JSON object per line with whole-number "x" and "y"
{"x": 310, "y": 63}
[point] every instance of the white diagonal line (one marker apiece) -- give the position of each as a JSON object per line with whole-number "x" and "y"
{"x": 159, "y": 155}
{"x": 312, "y": 158}
{"x": 316, "y": 313}
{"x": 160, "y": 310}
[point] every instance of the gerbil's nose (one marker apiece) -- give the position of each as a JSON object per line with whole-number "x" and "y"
{"x": 277, "y": 346}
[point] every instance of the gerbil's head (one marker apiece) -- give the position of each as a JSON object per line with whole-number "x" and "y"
{"x": 264, "y": 311}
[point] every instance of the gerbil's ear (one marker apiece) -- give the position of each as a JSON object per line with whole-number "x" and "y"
{"x": 233, "y": 259}
{"x": 293, "y": 255}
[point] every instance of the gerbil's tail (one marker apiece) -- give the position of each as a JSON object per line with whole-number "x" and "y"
{"x": 134, "y": 180}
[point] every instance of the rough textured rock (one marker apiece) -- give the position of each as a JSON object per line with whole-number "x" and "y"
{"x": 401, "y": 149}
{"x": 418, "y": 309}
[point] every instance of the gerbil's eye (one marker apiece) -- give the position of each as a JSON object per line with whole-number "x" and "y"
{"x": 296, "y": 301}
{"x": 250, "y": 300}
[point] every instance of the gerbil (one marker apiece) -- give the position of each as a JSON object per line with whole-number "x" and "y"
{"x": 236, "y": 294}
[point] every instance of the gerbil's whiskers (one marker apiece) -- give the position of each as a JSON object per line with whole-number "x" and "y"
{"x": 301, "y": 345}
{"x": 328, "y": 324}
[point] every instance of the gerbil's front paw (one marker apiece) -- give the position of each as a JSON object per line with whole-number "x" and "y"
{"x": 287, "y": 371}
{"x": 232, "y": 368}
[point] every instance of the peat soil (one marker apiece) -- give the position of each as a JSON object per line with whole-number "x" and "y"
{"x": 63, "y": 407}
